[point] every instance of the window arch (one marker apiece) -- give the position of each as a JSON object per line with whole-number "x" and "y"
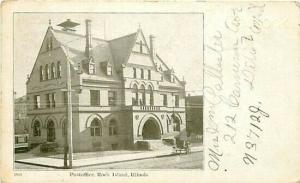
{"x": 46, "y": 72}
{"x": 135, "y": 95}
{"x": 143, "y": 99}
{"x": 58, "y": 69}
{"x": 95, "y": 128}
{"x": 176, "y": 123}
{"x": 53, "y": 73}
{"x": 41, "y": 73}
{"x": 113, "y": 128}
{"x": 36, "y": 128}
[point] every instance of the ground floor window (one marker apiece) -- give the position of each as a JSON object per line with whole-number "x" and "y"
{"x": 95, "y": 127}
{"x": 36, "y": 128}
{"x": 50, "y": 131}
{"x": 113, "y": 129}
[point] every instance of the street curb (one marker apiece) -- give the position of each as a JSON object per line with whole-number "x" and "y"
{"x": 135, "y": 159}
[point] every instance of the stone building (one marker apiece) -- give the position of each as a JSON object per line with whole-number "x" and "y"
{"x": 20, "y": 115}
{"x": 123, "y": 92}
{"x": 194, "y": 115}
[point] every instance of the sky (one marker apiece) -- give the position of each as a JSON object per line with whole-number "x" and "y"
{"x": 179, "y": 40}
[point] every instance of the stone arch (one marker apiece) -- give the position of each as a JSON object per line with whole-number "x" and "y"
{"x": 142, "y": 83}
{"x": 50, "y": 118}
{"x": 61, "y": 120}
{"x": 90, "y": 119}
{"x": 38, "y": 119}
{"x": 145, "y": 119}
{"x": 177, "y": 116}
{"x": 149, "y": 84}
{"x": 134, "y": 83}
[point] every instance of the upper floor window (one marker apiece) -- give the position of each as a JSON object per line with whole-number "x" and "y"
{"x": 149, "y": 74}
{"x": 134, "y": 72}
{"x": 37, "y": 102}
{"x": 65, "y": 97}
{"x": 172, "y": 78}
{"x": 92, "y": 68}
{"x": 165, "y": 100}
{"x": 95, "y": 127}
{"x": 58, "y": 69}
{"x": 112, "y": 98}
{"x": 51, "y": 43}
{"x": 41, "y": 73}
{"x": 46, "y": 72}
{"x": 135, "y": 95}
{"x": 53, "y": 102}
{"x": 143, "y": 99}
{"x": 36, "y": 128}
{"x": 113, "y": 129}
{"x": 151, "y": 95}
{"x": 176, "y": 100}
{"x": 53, "y": 72}
{"x": 48, "y": 100}
{"x": 109, "y": 70}
{"x": 141, "y": 47}
{"x": 95, "y": 97}
{"x": 142, "y": 73}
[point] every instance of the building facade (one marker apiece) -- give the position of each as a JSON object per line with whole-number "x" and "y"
{"x": 194, "y": 115}
{"x": 122, "y": 91}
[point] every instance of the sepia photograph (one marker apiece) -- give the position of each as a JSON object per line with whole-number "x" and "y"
{"x": 108, "y": 91}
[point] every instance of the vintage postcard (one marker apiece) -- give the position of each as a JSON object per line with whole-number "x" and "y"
{"x": 150, "y": 92}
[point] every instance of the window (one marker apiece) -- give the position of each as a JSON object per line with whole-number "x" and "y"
{"x": 41, "y": 73}
{"x": 58, "y": 69}
{"x": 53, "y": 73}
{"x": 51, "y": 43}
{"x": 92, "y": 68}
{"x": 172, "y": 78}
{"x": 149, "y": 74}
{"x": 63, "y": 128}
{"x": 113, "y": 129}
{"x": 176, "y": 100}
{"x": 95, "y": 97}
{"x": 112, "y": 97}
{"x": 141, "y": 47}
{"x": 36, "y": 128}
{"x": 143, "y": 100}
{"x": 165, "y": 100}
{"x": 53, "y": 99}
{"x": 46, "y": 72}
{"x": 65, "y": 96}
{"x": 50, "y": 131}
{"x": 151, "y": 95}
{"x": 96, "y": 127}
{"x": 135, "y": 95}
{"x": 142, "y": 73}
{"x": 109, "y": 70}
{"x": 134, "y": 72}
{"x": 48, "y": 100}
{"x": 37, "y": 102}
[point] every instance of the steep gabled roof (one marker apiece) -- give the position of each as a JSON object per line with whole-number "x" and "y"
{"x": 122, "y": 47}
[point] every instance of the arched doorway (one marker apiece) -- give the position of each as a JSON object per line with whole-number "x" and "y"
{"x": 176, "y": 123}
{"x": 151, "y": 130}
{"x": 50, "y": 131}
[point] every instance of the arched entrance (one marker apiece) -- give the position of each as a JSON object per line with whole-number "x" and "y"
{"x": 151, "y": 130}
{"x": 50, "y": 131}
{"x": 176, "y": 123}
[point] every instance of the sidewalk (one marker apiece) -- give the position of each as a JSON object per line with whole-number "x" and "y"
{"x": 58, "y": 163}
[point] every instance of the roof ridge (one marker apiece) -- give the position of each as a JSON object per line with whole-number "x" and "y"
{"x": 122, "y": 37}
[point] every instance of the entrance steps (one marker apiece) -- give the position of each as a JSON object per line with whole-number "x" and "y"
{"x": 153, "y": 145}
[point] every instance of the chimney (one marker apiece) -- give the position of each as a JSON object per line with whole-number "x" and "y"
{"x": 152, "y": 47}
{"x": 88, "y": 38}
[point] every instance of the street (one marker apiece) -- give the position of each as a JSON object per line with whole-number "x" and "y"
{"x": 189, "y": 161}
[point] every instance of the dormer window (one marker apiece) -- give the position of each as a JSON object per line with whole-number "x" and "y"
{"x": 107, "y": 68}
{"x": 92, "y": 68}
{"x": 172, "y": 78}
